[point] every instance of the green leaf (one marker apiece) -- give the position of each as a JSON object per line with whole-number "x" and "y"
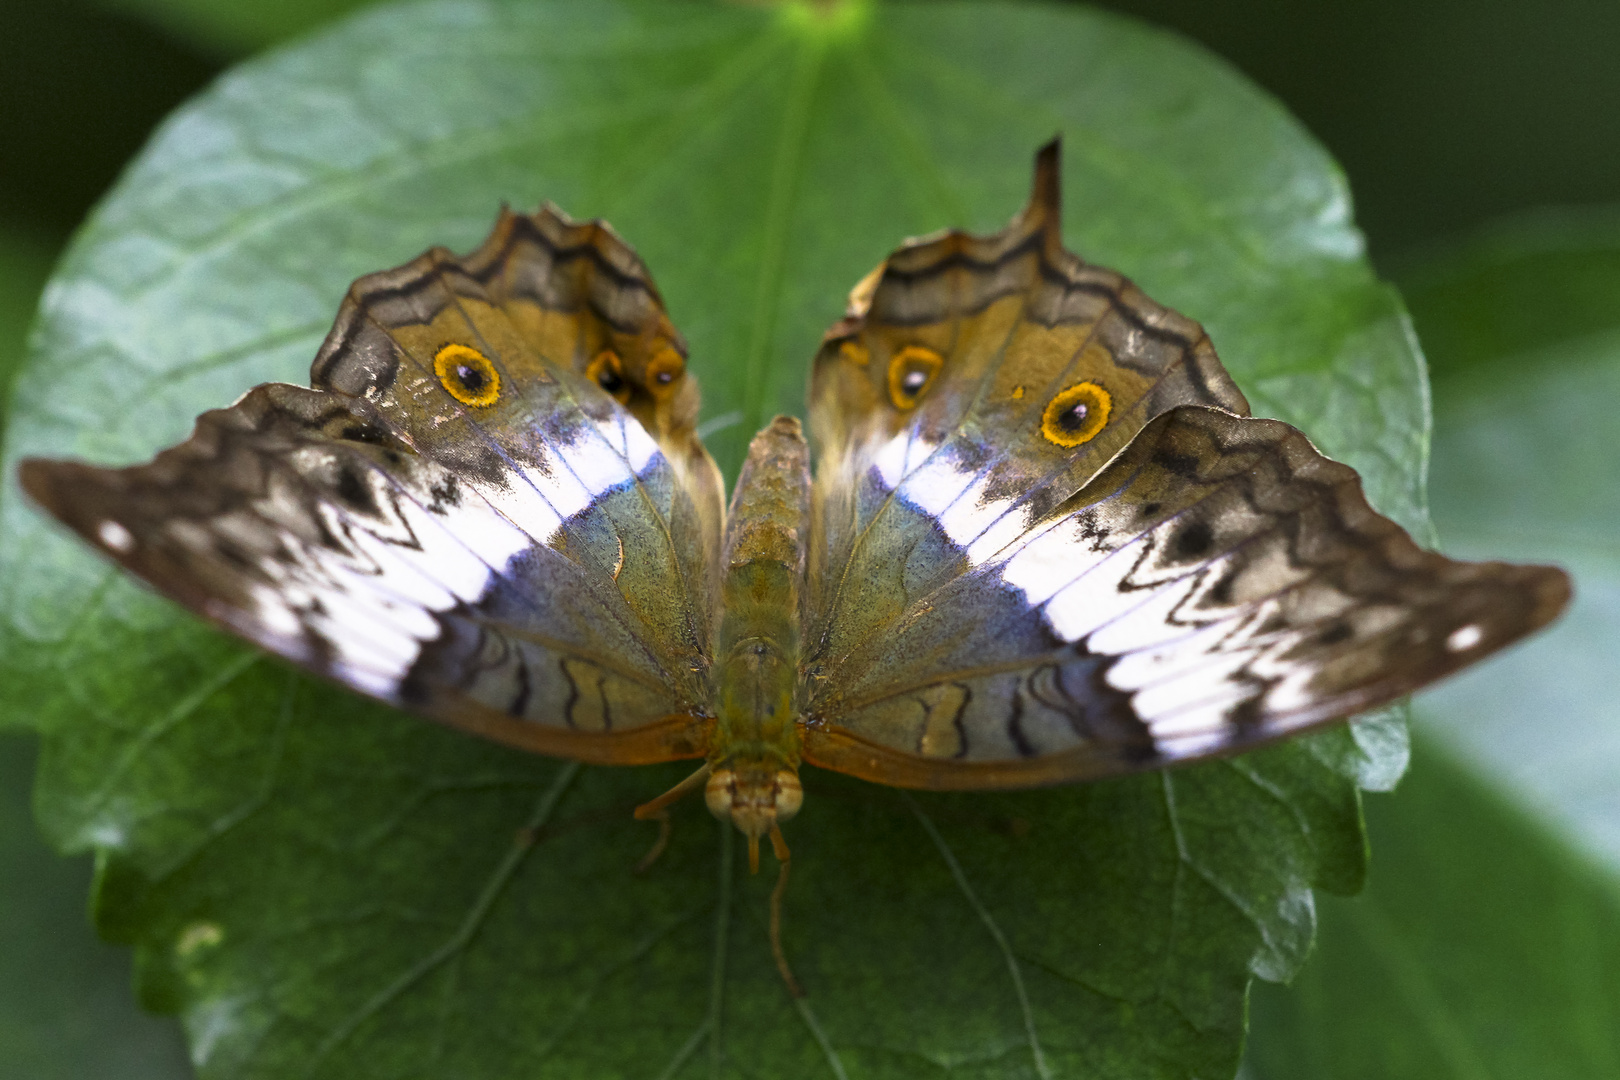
{"x": 1484, "y": 945}
{"x": 322, "y": 886}
{"x": 1525, "y": 467}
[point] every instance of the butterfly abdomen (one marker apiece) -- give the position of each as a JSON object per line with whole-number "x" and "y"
{"x": 754, "y": 747}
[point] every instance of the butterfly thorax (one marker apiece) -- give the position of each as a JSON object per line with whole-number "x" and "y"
{"x": 754, "y": 747}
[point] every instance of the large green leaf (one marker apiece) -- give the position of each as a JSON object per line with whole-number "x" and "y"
{"x": 1484, "y": 945}
{"x": 325, "y": 887}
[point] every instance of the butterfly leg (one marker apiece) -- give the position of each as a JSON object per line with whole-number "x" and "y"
{"x": 784, "y": 859}
{"x": 658, "y": 810}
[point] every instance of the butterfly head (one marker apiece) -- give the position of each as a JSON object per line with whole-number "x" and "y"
{"x": 757, "y": 798}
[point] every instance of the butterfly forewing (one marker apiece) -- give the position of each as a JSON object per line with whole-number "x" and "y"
{"x": 459, "y": 517}
{"x": 1220, "y": 583}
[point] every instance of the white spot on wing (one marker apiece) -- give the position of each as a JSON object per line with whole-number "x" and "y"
{"x": 1465, "y": 637}
{"x": 935, "y": 485}
{"x": 375, "y": 603}
{"x": 115, "y": 537}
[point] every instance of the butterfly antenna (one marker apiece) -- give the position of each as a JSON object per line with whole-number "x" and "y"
{"x": 784, "y": 859}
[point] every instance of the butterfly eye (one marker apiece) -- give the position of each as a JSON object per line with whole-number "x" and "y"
{"x": 468, "y": 375}
{"x": 910, "y": 373}
{"x": 664, "y": 371}
{"x": 1076, "y": 414}
{"x": 607, "y": 371}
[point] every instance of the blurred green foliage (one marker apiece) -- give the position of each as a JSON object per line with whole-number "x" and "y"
{"x": 1510, "y": 812}
{"x": 1445, "y": 115}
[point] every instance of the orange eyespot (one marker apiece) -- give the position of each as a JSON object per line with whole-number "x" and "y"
{"x": 911, "y": 373}
{"x": 1076, "y": 414}
{"x": 664, "y": 372}
{"x": 855, "y": 353}
{"x": 607, "y": 371}
{"x": 468, "y": 375}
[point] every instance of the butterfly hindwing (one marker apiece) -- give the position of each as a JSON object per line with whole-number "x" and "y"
{"x": 976, "y": 383}
{"x": 464, "y": 514}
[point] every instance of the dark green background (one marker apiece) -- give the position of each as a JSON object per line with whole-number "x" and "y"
{"x": 1447, "y": 116}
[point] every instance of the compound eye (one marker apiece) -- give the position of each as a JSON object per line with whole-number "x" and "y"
{"x": 789, "y": 795}
{"x": 719, "y": 793}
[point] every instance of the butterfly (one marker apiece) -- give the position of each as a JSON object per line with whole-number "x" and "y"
{"x": 1044, "y": 541}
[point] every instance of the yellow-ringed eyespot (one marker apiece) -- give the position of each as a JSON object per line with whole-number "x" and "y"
{"x": 607, "y": 371}
{"x": 664, "y": 372}
{"x": 1076, "y": 414}
{"x": 468, "y": 375}
{"x": 911, "y": 372}
{"x": 855, "y": 353}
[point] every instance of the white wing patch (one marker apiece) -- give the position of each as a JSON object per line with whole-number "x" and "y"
{"x": 369, "y": 586}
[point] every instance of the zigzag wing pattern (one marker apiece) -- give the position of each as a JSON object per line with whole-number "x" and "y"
{"x": 1219, "y": 584}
